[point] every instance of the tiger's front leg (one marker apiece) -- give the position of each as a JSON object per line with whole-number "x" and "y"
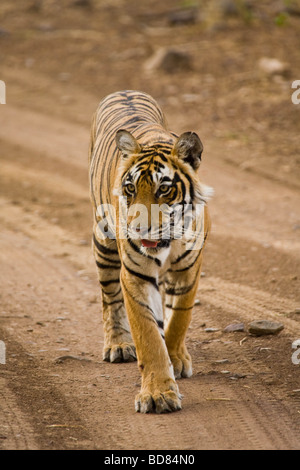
{"x": 159, "y": 391}
{"x": 118, "y": 344}
{"x": 181, "y": 291}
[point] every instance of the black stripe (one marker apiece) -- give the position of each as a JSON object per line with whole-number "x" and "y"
{"x": 104, "y": 249}
{"x": 162, "y": 156}
{"x": 188, "y": 252}
{"x": 191, "y": 184}
{"x": 150, "y": 279}
{"x": 107, "y": 283}
{"x": 109, "y": 260}
{"x": 165, "y": 178}
{"x": 131, "y": 259}
{"x": 114, "y": 294}
{"x": 106, "y": 266}
{"x": 139, "y": 302}
{"x": 183, "y": 189}
{"x": 178, "y": 308}
{"x": 159, "y": 323}
{"x": 136, "y": 248}
{"x": 187, "y": 267}
{"x": 113, "y": 302}
{"x": 179, "y": 291}
{"x": 184, "y": 289}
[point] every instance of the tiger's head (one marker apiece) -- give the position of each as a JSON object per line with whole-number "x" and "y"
{"x": 158, "y": 184}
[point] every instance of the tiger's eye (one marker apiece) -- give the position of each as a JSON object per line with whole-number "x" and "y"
{"x": 130, "y": 188}
{"x": 164, "y": 188}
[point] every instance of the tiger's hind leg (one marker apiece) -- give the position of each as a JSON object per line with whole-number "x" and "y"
{"x": 118, "y": 344}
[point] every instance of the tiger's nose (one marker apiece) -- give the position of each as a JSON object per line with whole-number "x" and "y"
{"x": 142, "y": 231}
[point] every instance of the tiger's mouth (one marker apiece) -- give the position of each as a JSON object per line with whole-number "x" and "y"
{"x": 149, "y": 243}
{"x": 155, "y": 243}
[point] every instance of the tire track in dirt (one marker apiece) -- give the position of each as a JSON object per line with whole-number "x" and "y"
{"x": 36, "y": 415}
{"x": 35, "y": 297}
{"x": 51, "y": 137}
{"x": 247, "y": 303}
{"x": 267, "y": 395}
{"x": 260, "y": 419}
{"x": 15, "y": 431}
{"x": 56, "y": 184}
{"x": 201, "y": 410}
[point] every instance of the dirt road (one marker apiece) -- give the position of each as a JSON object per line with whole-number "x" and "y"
{"x": 55, "y": 390}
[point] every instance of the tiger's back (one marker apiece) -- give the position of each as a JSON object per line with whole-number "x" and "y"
{"x": 148, "y": 268}
{"x": 135, "y": 111}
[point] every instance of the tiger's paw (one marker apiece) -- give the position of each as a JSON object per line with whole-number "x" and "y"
{"x": 158, "y": 402}
{"x": 123, "y": 352}
{"x": 182, "y": 364}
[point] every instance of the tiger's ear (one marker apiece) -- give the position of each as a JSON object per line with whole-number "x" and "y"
{"x": 127, "y": 143}
{"x": 189, "y": 148}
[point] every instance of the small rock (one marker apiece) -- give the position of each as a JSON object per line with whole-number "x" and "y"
{"x": 234, "y": 327}
{"x": 3, "y": 32}
{"x": 82, "y": 3}
{"x": 293, "y": 10}
{"x": 237, "y": 376}
{"x": 197, "y": 302}
{"x": 272, "y": 66}
{"x": 265, "y": 327}
{"x": 169, "y": 61}
{"x": 35, "y": 6}
{"x": 61, "y": 359}
{"x": 211, "y": 330}
{"x": 184, "y": 16}
{"x": 45, "y": 27}
{"x": 64, "y": 76}
{"x": 228, "y": 7}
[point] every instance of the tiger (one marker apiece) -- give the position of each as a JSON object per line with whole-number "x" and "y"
{"x": 148, "y": 271}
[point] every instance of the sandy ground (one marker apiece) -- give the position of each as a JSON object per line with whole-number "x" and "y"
{"x": 58, "y": 60}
